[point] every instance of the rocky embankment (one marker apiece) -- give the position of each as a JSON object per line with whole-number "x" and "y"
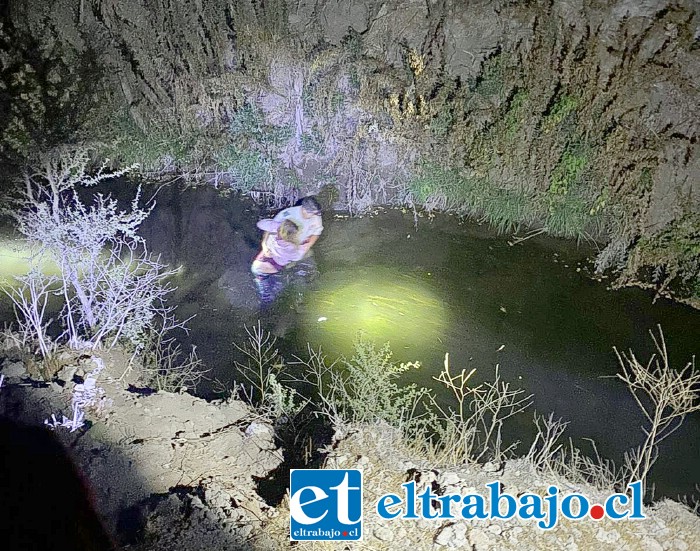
{"x": 387, "y": 463}
{"x": 171, "y": 471}
{"x": 166, "y": 471}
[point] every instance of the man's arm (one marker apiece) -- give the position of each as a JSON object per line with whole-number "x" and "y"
{"x": 310, "y": 241}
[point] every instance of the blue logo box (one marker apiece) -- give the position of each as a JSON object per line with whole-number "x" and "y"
{"x": 325, "y": 504}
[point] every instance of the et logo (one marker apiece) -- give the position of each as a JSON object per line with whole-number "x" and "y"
{"x": 325, "y": 504}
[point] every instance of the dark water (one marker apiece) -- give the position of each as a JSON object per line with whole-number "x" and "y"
{"x": 532, "y": 308}
{"x": 446, "y": 286}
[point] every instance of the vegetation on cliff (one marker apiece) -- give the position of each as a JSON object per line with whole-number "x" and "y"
{"x": 576, "y": 120}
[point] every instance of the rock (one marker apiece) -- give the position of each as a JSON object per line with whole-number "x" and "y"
{"x": 65, "y": 356}
{"x": 479, "y": 539}
{"x": 607, "y": 536}
{"x": 449, "y": 479}
{"x": 495, "y": 529}
{"x": 244, "y": 531}
{"x": 427, "y": 478}
{"x": 255, "y": 429}
{"x": 217, "y": 498}
{"x": 363, "y": 462}
{"x": 341, "y": 460}
{"x": 514, "y": 534}
{"x": 13, "y": 370}
{"x": 338, "y": 17}
{"x": 453, "y": 535}
{"x": 382, "y": 533}
{"x": 492, "y": 466}
{"x": 67, "y": 373}
{"x": 56, "y": 387}
{"x": 650, "y": 544}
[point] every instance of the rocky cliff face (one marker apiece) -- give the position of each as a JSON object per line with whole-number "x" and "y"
{"x": 578, "y": 117}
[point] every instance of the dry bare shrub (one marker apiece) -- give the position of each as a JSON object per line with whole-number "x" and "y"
{"x": 167, "y": 367}
{"x": 111, "y": 287}
{"x": 548, "y": 455}
{"x": 664, "y": 395}
{"x": 545, "y": 445}
{"x": 262, "y": 359}
{"x": 472, "y": 431}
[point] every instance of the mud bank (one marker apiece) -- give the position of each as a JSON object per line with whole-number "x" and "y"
{"x": 171, "y": 471}
{"x": 165, "y": 470}
{"x": 381, "y": 453}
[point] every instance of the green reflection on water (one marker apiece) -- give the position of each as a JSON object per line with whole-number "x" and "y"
{"x": 16, "y": 260}
{"x": 384, "y": 304}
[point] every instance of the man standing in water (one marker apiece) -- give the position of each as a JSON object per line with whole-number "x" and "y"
{"x": 308, "y": 217}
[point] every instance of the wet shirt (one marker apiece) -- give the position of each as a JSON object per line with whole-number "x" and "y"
{"x": 307, "y": 226}
{"x": 283, "y": 252}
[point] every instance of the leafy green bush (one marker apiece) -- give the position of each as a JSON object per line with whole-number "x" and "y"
{"x": 441, "y": 123}
{"x": 568, "y": 172}
{"x": 675, "y": 252}
{"x": 512, "y": 119}
{"x": 162, "y": 146}
{"x": 564, "y": 106}
{"x": 492, "y": 79}
{"x": 370, "y": 390}
{"x": 248, "y": 127}
{"x": 573, "y": 209}
{"x": 249, "y": 169}
{"x": 367, "y": 389}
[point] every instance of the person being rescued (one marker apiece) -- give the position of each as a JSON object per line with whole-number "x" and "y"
{"x": 280, "y": 247}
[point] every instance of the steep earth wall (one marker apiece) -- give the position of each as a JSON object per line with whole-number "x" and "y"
{"x": 578, "y": 117}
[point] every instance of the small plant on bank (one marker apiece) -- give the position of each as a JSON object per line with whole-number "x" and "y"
{"x": 282, "y": 402}
{"x": 31, "y": 299}
{"x": 366, "y": 389}
{"x": 167, "y": 368}
{"x": 369, "y": 386}
{"x": 261, "y": 361}
{"x": 550, "y": 456}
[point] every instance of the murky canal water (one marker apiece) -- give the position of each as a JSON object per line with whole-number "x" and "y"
{"x": 445, "y": 286}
